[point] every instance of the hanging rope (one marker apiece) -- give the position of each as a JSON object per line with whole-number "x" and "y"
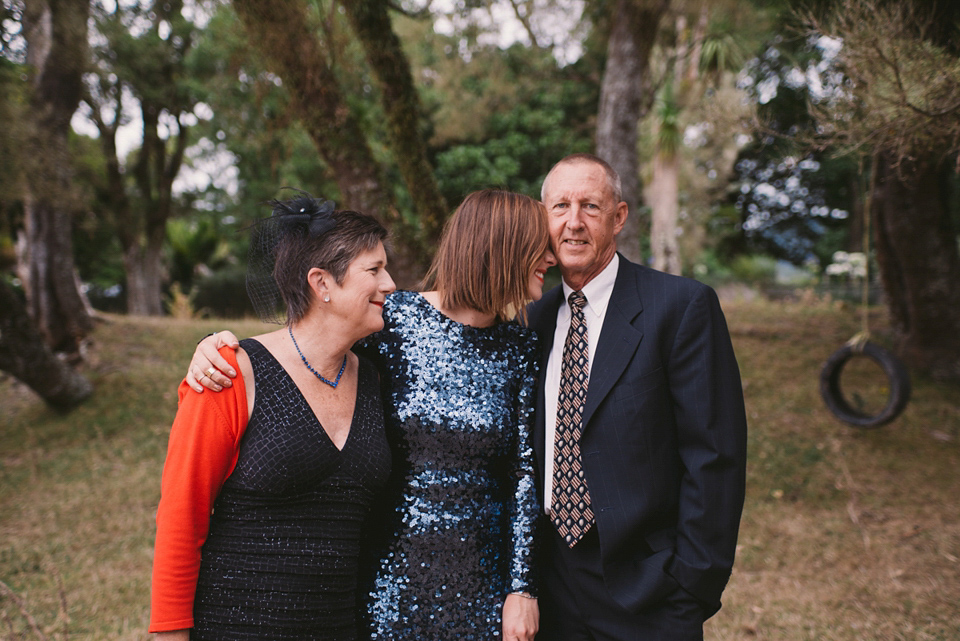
{"x": 859, "y": 340}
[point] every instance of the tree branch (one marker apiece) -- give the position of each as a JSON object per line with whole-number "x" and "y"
{"x": 525, "y": 21}
{"x": 22, "y": 606}
{"x": 421, "y": 14}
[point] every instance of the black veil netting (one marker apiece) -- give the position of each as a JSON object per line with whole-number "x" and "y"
{"x": 302, "y": 216}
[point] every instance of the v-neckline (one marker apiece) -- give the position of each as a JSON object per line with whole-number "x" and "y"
{"x": 303, "y": 399}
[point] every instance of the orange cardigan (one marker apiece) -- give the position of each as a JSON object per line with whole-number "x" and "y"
{"x": 202, "y": 452}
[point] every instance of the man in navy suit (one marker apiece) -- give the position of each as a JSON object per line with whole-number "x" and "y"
{"x": 662, "y": 431}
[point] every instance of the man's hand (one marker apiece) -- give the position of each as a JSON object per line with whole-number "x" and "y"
{"x": 521, "y": 618}
{"x": 209, "y": 369}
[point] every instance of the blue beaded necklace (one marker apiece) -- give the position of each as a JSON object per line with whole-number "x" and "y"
{"x": 332, "y": 383}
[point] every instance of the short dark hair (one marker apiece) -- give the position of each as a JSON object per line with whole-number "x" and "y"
{"x": 298, "y": 252}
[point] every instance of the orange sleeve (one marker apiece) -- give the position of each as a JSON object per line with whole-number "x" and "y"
{"x": 201, "y": 454}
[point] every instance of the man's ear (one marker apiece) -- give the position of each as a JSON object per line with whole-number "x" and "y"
{"x": 620, "y": 217}
{"x": 321, "y": 283}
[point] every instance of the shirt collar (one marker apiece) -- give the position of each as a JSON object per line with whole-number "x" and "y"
{"x": 599, "y": 290}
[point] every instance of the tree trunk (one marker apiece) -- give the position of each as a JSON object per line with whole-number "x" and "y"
{"x": 24, "y": 355}
{"x": 284, "y": 33}
{"x": 919, "y": 263}
{"x": 56, "y": 34}
{"x": 625, "y": 96}
{"x": 663, "y": 194}
{"x": 143, "y": 233}
{"x": 144, "y": 280}
{"x": 371, "y": 23}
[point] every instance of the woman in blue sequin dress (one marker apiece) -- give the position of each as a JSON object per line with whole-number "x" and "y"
{"x": 452, "y": 537}
{"x": 458, "y": 383}
{"x": 460, "y": 506}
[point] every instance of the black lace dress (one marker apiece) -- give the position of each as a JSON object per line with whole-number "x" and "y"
{"x": 281, "y": 558}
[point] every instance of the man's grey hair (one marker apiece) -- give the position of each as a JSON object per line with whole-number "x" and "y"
{"x": 613, "y": 178}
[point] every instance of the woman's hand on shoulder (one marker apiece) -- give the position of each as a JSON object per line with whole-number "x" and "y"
{"x": 208, "y": 368}
{"x": 521, "y": 618}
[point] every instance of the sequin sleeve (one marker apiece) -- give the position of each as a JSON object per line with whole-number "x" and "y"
{"x": 525, "y": 506}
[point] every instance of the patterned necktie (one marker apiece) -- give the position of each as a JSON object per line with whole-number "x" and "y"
{"x": 570, "y": 500}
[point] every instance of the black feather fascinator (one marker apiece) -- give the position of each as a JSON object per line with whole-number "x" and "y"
{"x": 301, "y": 216}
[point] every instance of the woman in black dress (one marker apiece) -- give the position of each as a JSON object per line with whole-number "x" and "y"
{"x": 289, "y": 460}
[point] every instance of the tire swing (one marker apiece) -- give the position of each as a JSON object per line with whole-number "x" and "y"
{"x": 836, "y": 401}
{"x": 859, "y": 346}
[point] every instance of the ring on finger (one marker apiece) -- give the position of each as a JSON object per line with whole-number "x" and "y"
{"x": 209, "y": 372}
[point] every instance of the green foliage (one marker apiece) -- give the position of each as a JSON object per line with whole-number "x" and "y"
{"x": 520, "y": 146}
{"x": 755, "y": 269}
{"x": 252, "y": 124}
{"x": 496, "y": 117}
{"x": 668, "y": 110}
{"x": 831, "y": 241}
{"x": 790, "y": 194}
{"x": 717, "y": 269}
{"x": 12, "y": 103}
{"x": 699, "y": 117}
{"x": 902, "y": 69}
{"x": 194, "y": 244}
{"x": 223, "y": 293}
{"x": 711, "y": 269}
{"x": 501, "y": 119}
{"x": 145, "y": 60}
{"x": 721, "y": 51}
{"x": 12, "y": 138}
{"x": 492, "y": 118}
{"x": 96, "y": 244}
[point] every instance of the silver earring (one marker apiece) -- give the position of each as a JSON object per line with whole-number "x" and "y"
{"x": 326, "y": 298}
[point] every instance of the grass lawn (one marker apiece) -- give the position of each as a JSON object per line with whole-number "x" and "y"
{"x": 847, "y": 534}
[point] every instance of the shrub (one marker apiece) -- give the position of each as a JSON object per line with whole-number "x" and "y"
{"x": 223, "y": 294}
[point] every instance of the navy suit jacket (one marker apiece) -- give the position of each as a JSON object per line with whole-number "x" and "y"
{"x": 664, "y": 437}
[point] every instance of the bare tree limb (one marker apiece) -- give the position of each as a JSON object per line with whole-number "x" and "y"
{"x": 22, "y": 606}
{"x": 525, "y": 21}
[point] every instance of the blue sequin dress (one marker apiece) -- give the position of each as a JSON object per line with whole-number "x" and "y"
{"x": 459, "y": 511}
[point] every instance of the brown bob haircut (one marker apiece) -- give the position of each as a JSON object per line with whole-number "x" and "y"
{"x": 489, "y": 249}
{"x": 298, "y": 252}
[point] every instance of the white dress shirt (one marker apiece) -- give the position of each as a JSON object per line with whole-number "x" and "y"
{"x": 598, "y": 292}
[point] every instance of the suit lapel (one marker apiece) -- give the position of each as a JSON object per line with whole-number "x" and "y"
{"x": 543, "y": 319}
{"x": 618, "y": 339}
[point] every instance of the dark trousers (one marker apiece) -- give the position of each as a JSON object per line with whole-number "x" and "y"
{"x": 576, "y": 606}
